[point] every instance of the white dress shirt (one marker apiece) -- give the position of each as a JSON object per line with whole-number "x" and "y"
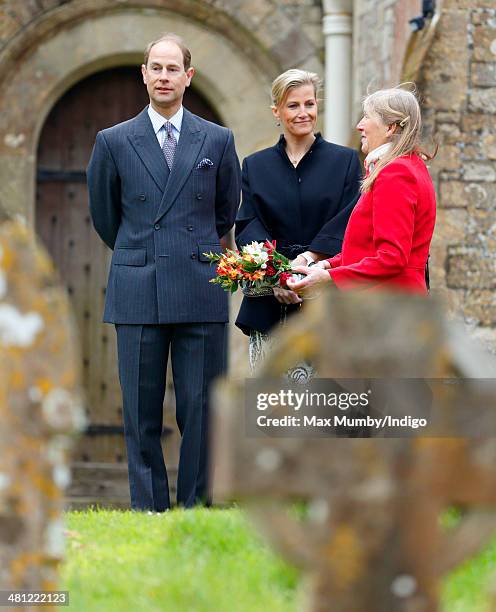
{"x": 158, "y": 121}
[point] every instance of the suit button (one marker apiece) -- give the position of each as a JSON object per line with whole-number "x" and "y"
{"x": 190, "y": 228}
{"x": 193, "y": 255}
{"x": 142, "y": 197}
{"x": 199, "y": 196}
{"x": 156, "y": 226}
{"x": 299, "y": 180}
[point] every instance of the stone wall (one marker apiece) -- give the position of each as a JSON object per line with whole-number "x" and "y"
{"x": 40, "y": 409}
{"x": 238, "y": 48}
{"x": 290, "y": 31}
{"x": 261, "y": 38}
{"x": 459, "y": 88}
{"x": 457, "y": 83}
{"x": 381, "y": 33}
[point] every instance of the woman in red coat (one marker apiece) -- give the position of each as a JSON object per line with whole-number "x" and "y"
{"x": 386, "y": 243}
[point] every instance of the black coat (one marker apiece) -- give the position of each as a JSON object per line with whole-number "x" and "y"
{"x": 302, "y": 208}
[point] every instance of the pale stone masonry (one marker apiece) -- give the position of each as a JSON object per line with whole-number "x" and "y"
{"x": 381, "y": 32}
{"x": 457, "y": 83}
{"x": 239, "y": 46}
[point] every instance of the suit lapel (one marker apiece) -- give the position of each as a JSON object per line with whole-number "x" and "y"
{"x": 188, "y": 147}
{"x": 145, "y": 143}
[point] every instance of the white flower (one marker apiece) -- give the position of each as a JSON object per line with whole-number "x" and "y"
{"x": 256, "y": 250}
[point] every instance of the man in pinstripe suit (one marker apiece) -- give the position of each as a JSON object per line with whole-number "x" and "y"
{"x": 164, "y": 188}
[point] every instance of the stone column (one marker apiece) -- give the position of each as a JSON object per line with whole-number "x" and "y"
{"x": 338, "y": 27}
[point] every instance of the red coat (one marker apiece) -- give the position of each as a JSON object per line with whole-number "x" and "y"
{"x": 386, "y": 243}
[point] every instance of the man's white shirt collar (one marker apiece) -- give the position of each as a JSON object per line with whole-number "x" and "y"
{"x": 158, "y": 120}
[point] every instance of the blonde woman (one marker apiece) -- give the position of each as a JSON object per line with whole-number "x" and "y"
{"x": 299, "y": 192}
{"x": 386, "y": 244}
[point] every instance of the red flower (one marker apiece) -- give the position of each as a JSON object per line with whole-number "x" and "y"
{"x": 270, "y": 270}
{"x": 283, "y": 279}
{"x": 270, "y": 246}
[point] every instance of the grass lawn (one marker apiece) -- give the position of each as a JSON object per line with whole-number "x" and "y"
{"x": 198, "y": 560}
{"x": 201, "y": 561}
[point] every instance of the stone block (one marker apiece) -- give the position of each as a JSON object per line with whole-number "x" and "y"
{"x": 40, "y": 409}
{"x": 450, "y": 227}
{"x": 447, "y": 64}
{"x": 447, "y": 133}
{"x": 484, "y": 37}
{"x": 470, "y": 267}
{"x": 254, "y": 11}
{"x": 471, "y": 152}
{"x": 452, "y": 194}
{"x": 481, "y": 229}
{"x": 294, "y": 48}
{"x": 357, "y": 556}
{"x": 22, "y": 12}
{"x": 313, "y": 64}
{"x": 448, "y": 158}
{"x": 481, "y": 195}
{"x": 476, "y": 123}
{"x": 443, "y": 175}
{"x": 489, "y": 146}
{"x": 483, "y": 100}
{"x": 446, "y": 117}
{"x": 313, "y": 14}
{"x": 480, "y": 306}
{"x": 313, "y": 31}
{"x": 274, "y": 28}
{"x": 467, "y": 4}
{"x": 8, "y": 25}
{"x": 450, "y": 230}
{"x": 483, "y": 74}
{"x": 479, "y": 171}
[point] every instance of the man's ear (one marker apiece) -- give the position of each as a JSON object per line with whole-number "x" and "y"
{"x": 189, "y": 73}
{"x": 143, "y": 72}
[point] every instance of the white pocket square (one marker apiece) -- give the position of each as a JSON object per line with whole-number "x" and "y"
{"x": 205, "y": 163}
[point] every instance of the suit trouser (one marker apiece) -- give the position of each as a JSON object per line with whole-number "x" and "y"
{"x": 198, "y": 355}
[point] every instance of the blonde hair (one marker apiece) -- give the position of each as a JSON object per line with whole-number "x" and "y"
{"x": 398, "y": 107}
{"x": 291, "y": 79}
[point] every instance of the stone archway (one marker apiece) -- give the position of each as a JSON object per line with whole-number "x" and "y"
{"x": 236, "y": 87}
{"x": 228, "y": 77}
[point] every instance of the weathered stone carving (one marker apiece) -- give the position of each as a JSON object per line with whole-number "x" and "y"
{"x": 371, "y": 539}
{"x": 39, "y": 410}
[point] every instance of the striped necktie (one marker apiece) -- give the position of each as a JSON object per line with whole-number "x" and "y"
{"x": 169, "y": 145}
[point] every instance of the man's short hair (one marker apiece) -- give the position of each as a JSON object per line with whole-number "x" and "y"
{"x": 171, "y": 37}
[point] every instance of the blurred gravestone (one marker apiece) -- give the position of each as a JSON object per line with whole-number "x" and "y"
{"x": 371, "y": 537}
{"x": 39, "y": 410}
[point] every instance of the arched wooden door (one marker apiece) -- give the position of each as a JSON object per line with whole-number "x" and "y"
{"x": 64, "y": 225}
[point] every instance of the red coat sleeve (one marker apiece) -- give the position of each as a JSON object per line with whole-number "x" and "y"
{"x": 336, "y": 260}
{"x": 394, "y": 202}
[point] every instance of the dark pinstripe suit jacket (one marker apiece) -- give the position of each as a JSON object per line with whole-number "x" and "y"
{"x": 159, "y": 225}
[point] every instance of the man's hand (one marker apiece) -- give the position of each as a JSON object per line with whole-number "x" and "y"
{"x": 315, "y": 278}
{"x": 285, "y": 296}
{"x": 324, "y": 264}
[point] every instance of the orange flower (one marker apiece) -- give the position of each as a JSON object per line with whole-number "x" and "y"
{"x": 257, "y": 275}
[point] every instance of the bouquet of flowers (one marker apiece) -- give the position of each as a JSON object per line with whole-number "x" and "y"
{"x": 257, "y": 268}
